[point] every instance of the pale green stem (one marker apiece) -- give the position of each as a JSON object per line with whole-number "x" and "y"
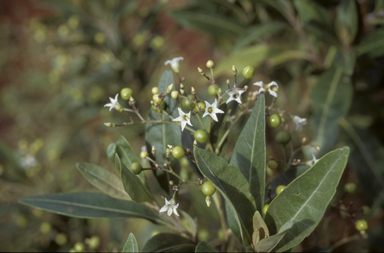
{"x": 218, "y": 203}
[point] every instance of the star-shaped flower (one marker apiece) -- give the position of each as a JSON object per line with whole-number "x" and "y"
{"x": 313, "y": 161}
{"x": 114, "y": 103}
{"x": 300, "y": 122}
{"x": 268, "y": 87}
{"x": 211, "y": 110}
{"x": 235, "y": 95}
{"x": 174, "y": 63}
{"x": 169, "y": 207}
{"x": 184, "y": 118}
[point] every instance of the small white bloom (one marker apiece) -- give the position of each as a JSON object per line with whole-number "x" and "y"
{"x": 169, "y": 207}
{"x": 28, "y": 161}
{"x": 235, "y": 95}
{"x": 174, "y": 63}
{"x": 266, "y": 88}
{"x": 114, "y": 103}
{"x": 184, "y": 118}
{"x": 313, "y": 161}
{"x": 300, "y": 122}
{"x": 211, "y": 110}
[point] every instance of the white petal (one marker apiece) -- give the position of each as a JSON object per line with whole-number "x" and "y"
{"x": 213, "y": 116}
{"x": 167, "y": 62}
{"x": 230, "y": 99}
{"x": 174, "y": 210}
{"x": 272, "y": 93}
{"x": 178, "y": 119}
{"x": 273, "y": 83}
{"x": 259, "y": 83}
{"x": 169, "y": 211}
{"x": 163, "y": 209}
{"x": 183, "y": 124}
{"x": 215, "y": 110}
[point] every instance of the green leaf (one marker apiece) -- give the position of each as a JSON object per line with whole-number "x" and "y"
{"x": 204, "y": 247}
{"x": 373, "y": 44}
{"x": 260, "y": 229}
{"x": 103, "y": 180}
{"x": 347, "y": 21}
{"x": 160, "y": 135}
{"x": 305, "y": 200}
{"x": 90, "y": 205}
{"x": 133, "y": 185}
{"x": 249, "y": 152}
{"x": 309, "y": 10}
{"x": 166, "y": 242}
{"x": 232, "y": 185}
{"x": 191, "y": 225}
{"x": 111, "y": 150}
{"x": 267, "y": 244}
{"x": 332, "y": 97}
{"x": 131, "y": 244}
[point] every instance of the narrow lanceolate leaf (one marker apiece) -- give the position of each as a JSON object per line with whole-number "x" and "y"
{"x": 233, "y": 186}
{"x": 131, "y": 244}
{"x": 111, "y": 150}
{"x": 132, "y": 184}
{"x": 103, "y": 180}
{"x": 305, "y": 200}
{"x": 331, "y": 98}
{"x": 91, "y": 205}
{"x": 204, "y": 247}
{"x": 160, "y": 135}
{"x": 249, "y": 152}
{"x": 166, "y": 242}
{"x": 267, "y": 244}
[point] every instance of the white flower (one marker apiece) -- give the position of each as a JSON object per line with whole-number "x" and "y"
{"x": 169, "y": 207}
{"x": 28, "y": 161}
{"x": 211, "y": 110}
{"x": 266, "y": 88}
{"x": 114, "y": 103}
{"x": 174, "y": 63}
{"x": 300, "y": 122}
{"x": 184, "y": 118}
{"x": 313, "y": 161}
{"x": 235, "y": 95}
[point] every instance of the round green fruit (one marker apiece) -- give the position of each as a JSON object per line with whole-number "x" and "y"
{"x": 94, "y": 242}
{"x": 184, "y": 162}
{"x": 361, "y": 225}
{"x": 210, "y": 64}
{"x": 248, "y": 71}
{"x": 61, "y": 239}
{"x": 201, "y": 135}
{"x": 161, "y": 107}
{"x": 265, "y": 209}
{"x": 274, "y": 120}
{"x": 178, "y": 152}
{"x": 126, "y": 93}
{"x": 279, "y": 189}
{"x": 283, "y": 137}
{"x": 350, "y": 188}
{"x": 143, "y": 154}
{"x": 212, "y": 91}
{"x": 207, "y": 188}
{"x": 272, "y": 164}
{"x": 79, "y": 247}
{"x": 202, "y": 106}
{"x": 188, "y": 104}
{"x": 136, "y": 168}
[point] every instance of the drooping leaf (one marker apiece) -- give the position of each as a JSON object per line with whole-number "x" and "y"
{"x": 267, "y": 244}
{"x": 373, "y": 44}
{"x": 90, "y": 205}
{"x": 249, "y": 152}
{"x": 204, "y": 247}
{"x": 347, "y": 21}
{"x": 166, "y": 242}
{"x": 103, "y": 180}
{"x": 305, "y": 200}
{"x": 160, "y": 135}
{"x": 131, "y": 244}
{"x": 232, "y": 185}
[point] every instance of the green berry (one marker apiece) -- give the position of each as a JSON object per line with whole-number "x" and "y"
{"x": 202, "y": 106}
{"x": 79, "y": 247}
{"x": 283, "y": 137}
{"x": 272, "y": 164}
{"x": 279, "y": 189}
{"x": 265, "y": 209}
{"x": 178, "y": 152}
{"x": 366, "y": 210}
{"x": 248, "y": 71}
{"x": 350, "y": 188}
{"x": 136, "y": 168}
{"x": 161, "y": 107}
{"x": 208, "y": 189}
{"x": 156, "y": 99}
{"x": 201, "y": 135}
{"x": 274, "y": 120}
{"x": 61, "y": 239}
{"x": 126, "y": 93}
{"x": 188, "y": 104}
{"x": 212, "y": 91}
{"x": 155, "y": 90}
{"x": 210, "y": 64}
{"x": 203, "y": 235}
{"x": 94, "y": 242}
{"x": 361, "y": 225}
{"x": 184, "y": 162}
{"x": 143, "y": 154}
{"x": 45, "y": 228}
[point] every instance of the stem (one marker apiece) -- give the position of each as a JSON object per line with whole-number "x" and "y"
{"x": 218, "y": 203}
{"x": 201, "y": 122}
{"x": 221, "y": 142}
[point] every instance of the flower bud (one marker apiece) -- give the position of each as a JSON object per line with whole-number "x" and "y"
{"x": 182, "y": 91}
{"x": 171, "y": 182}
{"x": 169, "y": 89}
{"x": 234, "y": 70}
{"x": 303, "y": 140}
{"x": 181, "y": 86}
{"x": 155, "y": 90}
{"x": 228, "y": 82}
{"x": 210, "y": 64}
{"x": 246, "y": 87}
{"x": 174, "y": 94}
{"x": 200, "y": 71}
{"x": 110, "y": 124}
{"x": 208, "y": 201}
{"x": 152, "y": 103}
{"x": 317, "y": 147}
{"x": 195, "y": 143}
{"x": 153, "y": 151}
{"x": 131, "y": 101}
{"x": 167, "y": 153}
{"x": 193, "y": 91}
{"x": 119, "y": 108}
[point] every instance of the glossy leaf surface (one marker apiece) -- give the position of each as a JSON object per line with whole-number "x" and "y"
{"x": 166, "y": 242}
{"x": 131, "y": 244}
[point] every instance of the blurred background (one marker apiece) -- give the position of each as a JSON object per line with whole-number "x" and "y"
{"x": 60, "y": 61}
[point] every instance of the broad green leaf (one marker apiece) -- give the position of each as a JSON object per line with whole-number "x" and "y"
{"x": 111, "y": 150}
{"x": 305, "y": 200}
{"x": 166, "y": 242}
{"x": 160, "y": 135}
{"x": 204, "y": 247}
{"x": 232, "y": 185}
{"x": 131, "y": 244}
{"x": 373, "y": 44}
{"x": 347, "y": 21}
{"x": 91, "y": 205}
{"x": 331, "y": 99}
{"x": 310, "y": 10}
{"x": 249, "y": 152}
{"x": 190, "y": 225}
{"x": 133, "y": 185}
{"x": 232, "y": 221}
{"x": 267, "y": 244}
{"x": 103, "y": 180}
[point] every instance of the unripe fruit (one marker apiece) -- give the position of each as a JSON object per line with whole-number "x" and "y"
{"x": 126, "y": 93}
{"x": 361, "y": 225}
{"x": 248, "y": 71}
{"x": 350, "y": 188}
{"x": 156, "y": 99}
{"x": 274, "y": 120}
{"x": 187, "y": 104}
{"x": 155, "y": 90}
{"x": 265, "y": 209}
{"x": 366, "y": 210}
{"x": 161, "y": 107}
{"x": 45, "y": 228}
{"x": 212, "y": 91}
{"x": 174, "y": 94}
{"x": 79, "y": 247}
{"x": 279, "y": 189}
{"x": 202, "y": 106}
{"x": 178, "y": 152}
{"x": 143, "y": 154}
{"x": 94, "y": 242}
{"x": 61, "y": 239}
{"x": 136, "y": 168}
{"x": 272, "y": 164}
{"x": 184, "y": 162}
{"x": 283, "y": 137}
{"x": 201, "y": 135}
{"x": 210, "y": 64}
{"x": 208, "y": 188}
